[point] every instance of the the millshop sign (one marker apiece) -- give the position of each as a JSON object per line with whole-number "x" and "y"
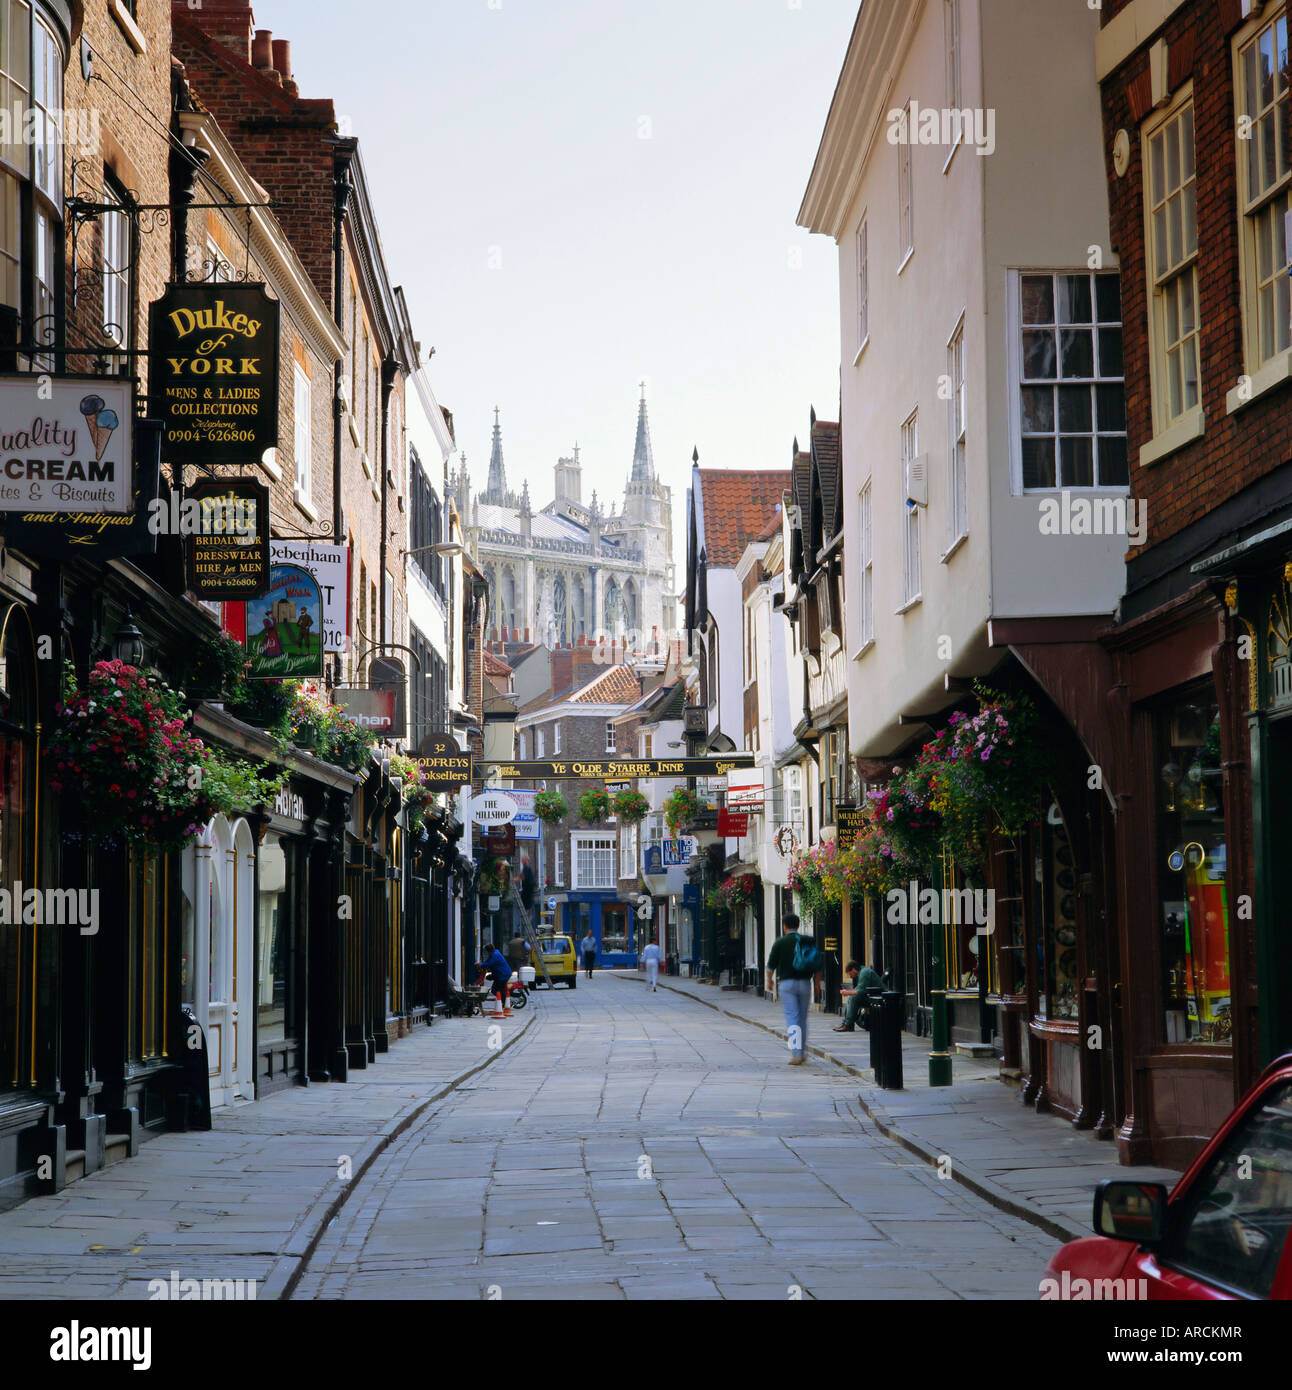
{"x": 493, "y": 808}
{"x": 66, "y": 445}
{"x": 214, "y": 372}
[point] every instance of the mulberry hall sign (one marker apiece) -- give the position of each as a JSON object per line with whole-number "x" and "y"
{"x": 214, "y": 359}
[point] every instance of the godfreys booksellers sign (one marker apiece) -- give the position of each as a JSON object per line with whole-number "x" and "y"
{"x": 214, "y": 359}
{"x": 66, "y": 445}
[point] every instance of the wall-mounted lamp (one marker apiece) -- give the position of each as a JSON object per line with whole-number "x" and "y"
{"x": 128, "y": 644}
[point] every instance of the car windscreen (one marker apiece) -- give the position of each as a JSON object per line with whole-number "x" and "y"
{"x": 553, "y": 945}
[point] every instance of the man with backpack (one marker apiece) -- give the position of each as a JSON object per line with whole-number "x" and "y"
{"x": 796, "y": 962}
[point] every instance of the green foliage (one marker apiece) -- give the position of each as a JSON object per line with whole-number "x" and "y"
{"x": 594, "y": 804}
{"x": 681, "y": 807}
{"x": 551, "y": 807}
{"x": 631, "y": 807}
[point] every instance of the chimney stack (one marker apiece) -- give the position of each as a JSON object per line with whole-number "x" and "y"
{"x": 262, "y": 55}
{"x": 283, "y": 58}
{"x": 228, "y": 22}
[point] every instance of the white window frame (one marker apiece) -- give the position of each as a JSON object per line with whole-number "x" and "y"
{"x": 794, "y": 799}
{"x": 1251, "y": 206}
{"x": 556, "y": 737}
{"x": 558, "y": 864}
{"x": 1162, "y": 284}
{"x": 863, "y": 288}
{"x": 612, "y": 737}
{"x": 905, "y": 193}
{"x": 865, "y": 570}
{"x": 540, "y": 744}
{"x": 303, "y": 442}
{"x": 951, "y": 43}
{"x": 957, "y": 441}
{"x": 1017, "y": 382}
{"x": 603, "y": 850}
{"x": 912, "y": 579}
{"x": 628, "y": 852}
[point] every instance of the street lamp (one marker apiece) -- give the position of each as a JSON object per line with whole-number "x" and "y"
{"x": 128, "y": 644}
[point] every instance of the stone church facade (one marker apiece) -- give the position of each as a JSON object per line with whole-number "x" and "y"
{"x": 574, "y": 572}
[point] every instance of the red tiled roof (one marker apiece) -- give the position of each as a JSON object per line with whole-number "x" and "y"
{"x": 617, "y": 686}
{"x": 737, "y": 504}
{"x": 495, "y": 666}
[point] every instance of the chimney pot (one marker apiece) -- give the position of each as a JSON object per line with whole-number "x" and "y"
{"x": 283, "y": 57}
{"x": 262, "y": 49}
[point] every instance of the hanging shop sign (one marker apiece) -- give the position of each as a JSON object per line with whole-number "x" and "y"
{"x": 501, "y": 840}
{"x": 609, "y": 771}
{"x": 445, "y": 767}
{"x": 745, "y": 790}
{"x": 228, "y": 543}
{"x": 492, "y": 808}
{"x": 66, "y": 445}
{"x": 214, "y": 371}
{"x": 284, "y": 626}
{"x": 847, "y": 823}
{"x": 330, "y": 565}
{"x": 387, "y": 673}
{"x": 528, "y": 826}
{"x": 373, "y": 710}
{"x": 96, "y": 535}
{"x": 732, "y": 825}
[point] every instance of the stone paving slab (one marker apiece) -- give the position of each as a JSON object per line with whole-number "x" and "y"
{"x": 246, "y": 1199}
{"x": 1035, "y": 1166}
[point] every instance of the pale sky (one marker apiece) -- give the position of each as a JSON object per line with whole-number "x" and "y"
{"x": 513, "y": 130}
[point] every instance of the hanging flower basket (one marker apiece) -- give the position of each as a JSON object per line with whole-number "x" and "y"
{"x": 495, "y": 878}
{"x": 123, "y": 750}
{"x": 631, "y": 807}
{"x": 416, "y": 795}
{"x": 594, "y": 805}
{"x": 551, "y": 807}
{"x": 681, "y": 808}
{"x": 736, "y": 892}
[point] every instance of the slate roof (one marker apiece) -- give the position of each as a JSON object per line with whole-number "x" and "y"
{"x": 825, "y": 455}
{"x": 737, "y": 503}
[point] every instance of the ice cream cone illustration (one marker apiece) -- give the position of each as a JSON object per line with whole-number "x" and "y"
{"x": 100, "y": 421}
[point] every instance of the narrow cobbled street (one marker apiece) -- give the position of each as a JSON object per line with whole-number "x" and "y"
{"x": 638, "y": 1145}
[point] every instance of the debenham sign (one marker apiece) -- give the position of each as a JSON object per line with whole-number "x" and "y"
{"x": 214, "y": 369}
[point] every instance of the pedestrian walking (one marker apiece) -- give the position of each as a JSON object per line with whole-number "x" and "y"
{"x": 589, "y": 948}
{"x": 795, "y": 963}
{"x": 651, "y": 955}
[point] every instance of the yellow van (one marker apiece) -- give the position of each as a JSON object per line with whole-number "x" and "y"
{"x": 557, "y": 951}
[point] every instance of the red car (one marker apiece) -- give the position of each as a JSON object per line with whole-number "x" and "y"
{"x": 1222, "y": 1233}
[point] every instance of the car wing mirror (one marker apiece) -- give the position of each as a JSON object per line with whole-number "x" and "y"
{"x": 1130, "y": 1210}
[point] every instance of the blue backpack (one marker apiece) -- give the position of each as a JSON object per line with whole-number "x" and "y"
{"x": 808, "y": 958}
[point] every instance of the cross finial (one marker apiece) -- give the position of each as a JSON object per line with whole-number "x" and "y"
{"x": 642, "y": 384}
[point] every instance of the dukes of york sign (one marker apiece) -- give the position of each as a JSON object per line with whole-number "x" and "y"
{"x": 214, "y": 360}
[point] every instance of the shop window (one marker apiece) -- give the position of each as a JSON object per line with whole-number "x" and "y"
{"x": 1192, "y": 872}
{"x": 594, "y": 861}
{"x": 17, "y": 713}
{"x": 1055, "y": 914}
{"x": 276, "y": 1003}
{"x": 614, "y": 928}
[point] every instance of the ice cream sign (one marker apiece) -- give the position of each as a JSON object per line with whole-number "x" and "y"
{"x": 66, "y": 445}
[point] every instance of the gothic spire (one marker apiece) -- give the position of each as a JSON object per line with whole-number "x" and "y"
{"x": 643, "y": 456}
{"x": 496, "y": 489}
